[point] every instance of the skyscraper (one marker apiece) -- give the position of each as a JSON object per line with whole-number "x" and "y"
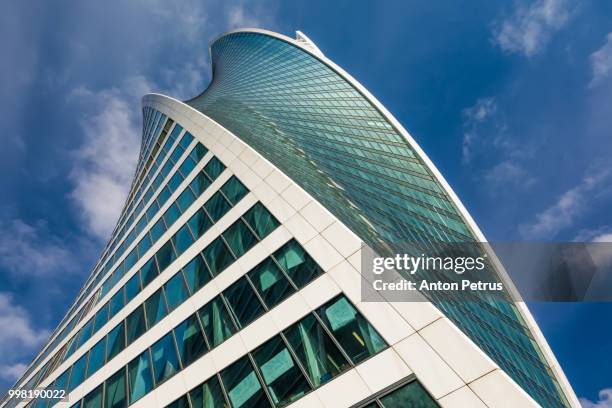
{"x": 233, "y": 275}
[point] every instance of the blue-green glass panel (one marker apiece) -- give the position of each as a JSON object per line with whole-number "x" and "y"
{"x": 135, "y": 324}
{"x": 132, "y": 288}
{"x": 156, "y": 308}
{"x": 115, "y": 390}
{"x": 175, "y": 290}
{"x": 243, "y": 387}
{"x": 77, "y": 374}
{"x": 239, "y": 238}
{"x": 196, "y": 274}
{"x": 165, "y": 360}
{"x": 214, "y": 168}
{"x": 243, "y": 303}
{"x": 260, "y": 219}
{"x": 140, "y": 378}
{"x": 190, "y": 340}
{"x": 97, "y": 354}
{"x": 217, "y": 256}
{"x": 296, "y": 262}
{"x": 165, "y": 255}
{"x": 234, "y": 190}
{"x": 217, "y": 206}
{"x": 199, "y": 223}
{"x": 216, "y": 321}
{"x": 183, "y": 239}
{"x": 115, "y": 341}
{"x": 199, "y": 184}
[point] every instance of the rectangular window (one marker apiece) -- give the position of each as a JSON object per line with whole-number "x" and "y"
{"x": 78, "y": 373}
{"x": 208, "y": 395}
{"x": 187, "y": 166}
{"x": 93, "y": 399}
{"x": 199, "y": 223}
{"x": 270, "y": 282}
{"x": 135, "y": 324}
{"x": 185, "y": 199}
{"x": 182, "y": 402}
{"x": 115, "y": 391}
{"x": 165, "y": 256}
{"x": 158, "y": 230}
{"x": 217, "y": 256}
{"x": 234, "y": 190}
{"x": 116, "y": 341}
{"x": 190, "y": 340}
{"x": 175, "y": 181}
{"x": 260, "y": 220}
{"x": 199, "y": 184}
{"x": 243, "y": 387}
{"x": 175, "y": 290}
{"x": 96, "y": 357}
{"x": 318, "y": 354}
{"x": 217, "y": 206}
{"x": 243, "y": 302}
{"x": 214, "y": 168}
{"x": 165, "y": 361}
{"x": 141, "y": 381}
{"x": 409, "y": 395}
{"x": 148, "y": 272}
{"x": 282, "y": 376}
{"x": 217, "y": 322}
{"x": 198, "y": 152}
{"x": 196, "y": 274}
{"x": 183, "y": 239}
{"x": 172, "y": 214}
{"x": 85, "y": 332}
{"x": 300, "y": 267}
{"x": 156, "y": 307}
{"x": 144, "y": 245}
{"x": 240, "y": 238}
{"x": 101, "y": 317}
{"x": 132, "y": 288}
{"x": 352, "y": 331}
{"x": 116, "y": 302}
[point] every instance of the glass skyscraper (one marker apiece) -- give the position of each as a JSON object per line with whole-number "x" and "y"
{"x": 232, "y": 278}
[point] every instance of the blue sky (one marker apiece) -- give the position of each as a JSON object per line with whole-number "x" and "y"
{"x": 511, "y": 100}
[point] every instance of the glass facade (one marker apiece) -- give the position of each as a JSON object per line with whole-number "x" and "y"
{"x": 314, "y": 125}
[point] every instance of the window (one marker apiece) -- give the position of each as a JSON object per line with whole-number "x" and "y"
{"x": 214, "y": 168}
{"x": 93, "y": 399}
{"x": 318, "y": 354}
{"x": 243, "y": 387}
{"x": 280, "y": 373}
{"x": 182, "y": 402}
{"x": 183, "y": 239}
{"x": 409, "y": 395}
{"x": 132, "y": 288}
{"x": 174, "y": 182}
{"x": 139, "y": 371}
{"x": 176, "y": 292}
{"x": 217, "y": 323}
{"x": 165, "y": 256}
{"x": 156, "y": 307}
{"x": 144, "y": 245}
{"x": 148, "y": 272}
{"x": 96, "y": 357}
{"x": 165, "y": 361}
{"x": 135, "y": 324}
{"x": 101, "y": 317}
{"x": 61, "y": 381}
{"x": 234, "y": 190}
{"x": 200, "y": 183}
{"x": 300, "y": 267}
{"x": 270, "y": 282}
{"x": 185, "y": 199}
{"x": 208, "y": 395}
{"x": 85, "y": 332}
{"x": 199, "y": 223}
{"x": 217, "y": 206}
{"x": 217, "y": 256}
{"x": 260, "y": 219}
{"x": 198, "y": 152}
{"x": 355, "y": 335}
{"x": 243, "y": 302}
{"x": 196, "y": 274}
{"x": 116, "y": 302}
{"x": 158, "y": 230}
{"x": 115, "y": 392}
{"x": 116, "y": 341}
{"x": 172, "y": 214}
{"x": 187, "y": 166}
{"x": 190, "y": 340}
{"x": 78, "y": 373}
{"x": 239, "y": 238}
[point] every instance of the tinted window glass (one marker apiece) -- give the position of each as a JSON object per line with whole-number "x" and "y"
{"x": 208, "y": 395}
{"x": 270, "y": 282}
{"x": 199, "y": 223}
{"x": 260, "y": 219}
{"x": 115, "y": 391}
{"x": 135, "y": 324}
{"x": 243, "y": 302}
{"x": 165, "y": 361}
{"x": 318, "y": 354}
{"x": 190, "y": 340}
{"x": 156, "y": 307}
{"x": 183, "y": 239}
{"x": 93, "y": 399}
{"x": 214, "y": 168}
{"x": 218, "y": 256}
{"x": 217, "y": 206}
{"x": 239, "y": 238}
{"x": 141, "y": 381}
{"x": 101, "y": 317}
{"x": 148, "y": 272}
{"x": 217, "y": 323}
{"x": 234, "y": 190}
{"x": 243, "y": 387}
{"x": 352, "y": 331}
{"x": 300, "y": 267}
{"x": 199, "y": 184}
{"x": 116, "y": 341}
{"x": 78, "y": 372}
{"x": 196, "y": 274}
{"x": 165, "y": 256}
{"x": 409, "y": 395}
{"x": 132, "y": 288}
{"x": 176, "y": 292}
{"x": 280, "y": 373}
{"x": 96, "y": 357}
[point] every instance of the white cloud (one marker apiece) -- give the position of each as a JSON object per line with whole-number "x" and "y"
{"x": 106, "y": 160}
{"x": 509, "y": 172}
{"x": 31, "y": 250}
{"x": 601, "y": 62}
{"x": 566, "y": 209}
{"x": 17, "y": 334}
{"x": 530, "y": 28}
{"x": 239, "y": 17}
{"x": 482, "y": 110}
{"x": 604, "y": 401}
